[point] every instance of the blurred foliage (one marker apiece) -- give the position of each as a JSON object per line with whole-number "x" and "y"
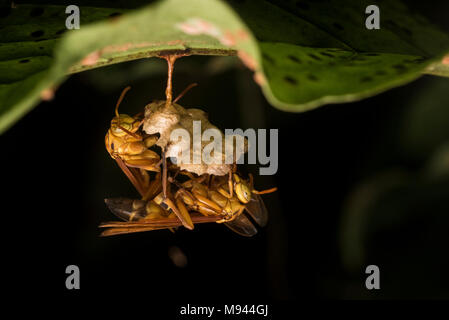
{"x": 304, "y": 53}
{"x": 425, "y": 125}
{"x": 398, "y": 218}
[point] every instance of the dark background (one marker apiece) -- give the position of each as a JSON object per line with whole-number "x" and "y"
{"x": 56, "y": 173}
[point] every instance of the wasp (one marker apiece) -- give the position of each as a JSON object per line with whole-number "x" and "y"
{"x": 198, "y": 200}
{"x": 126, "y": 144}
{"x": 129, "y": 146}
{"x": 204, "y": 199}
{"x": 218, "y": 198}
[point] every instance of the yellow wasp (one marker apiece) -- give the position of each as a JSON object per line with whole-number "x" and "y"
{"x": 205, "y": 199}
{"x": 199, "y": 200}
{"x": 130, "y": 147}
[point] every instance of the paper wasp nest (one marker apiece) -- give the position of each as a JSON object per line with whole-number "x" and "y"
{"x": 163, "y": 119}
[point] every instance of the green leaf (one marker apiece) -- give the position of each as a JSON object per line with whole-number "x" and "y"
{"x": 439, "y": 68}
{"x": 317, "y": 52}
{"x": 27, "y": 40}
{"x": 151, "y": 31}
{"x": 303, "y": 53}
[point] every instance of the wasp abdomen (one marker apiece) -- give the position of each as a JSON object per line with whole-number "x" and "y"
{"x": 127, "y": 209}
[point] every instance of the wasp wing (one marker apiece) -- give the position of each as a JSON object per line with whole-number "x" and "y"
{"x": 124, "y": 227}
{"x": 242, "y": 226}
{"x": 123, "y": 230}
{"x": 257, "y": 210}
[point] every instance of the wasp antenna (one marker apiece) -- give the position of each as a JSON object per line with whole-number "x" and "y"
{"x": 251, "y": 181}
{"x": 266, "y": 191}
{"x": 128, "y": 132}
{"x": 141, "y": 123}
{"x": 190, "y": 86}
{"x": 120, "y": 100}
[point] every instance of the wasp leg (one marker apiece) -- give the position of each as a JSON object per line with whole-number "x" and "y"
{"x": 192, "y": 203}
{"x": 148, "y": 160}
{"x": 145, "y": 178}
{"x": 231, "y": 181}
{"x": 169, "y": 204}
{"x": 190, "y": 86}
{"x": 230, "y": 192}
{"x": 184, "y": 212}
{"x": 136, "y": 183}
{"x": 154, "y": 188}
{"x": 251, "y": 185}
{"x": 230, "y": 185}
{"x": 164, "y": 174}
{"x": 235, "y": 215}
{"x": 201, "y": 200}
{"x": 150, "y": 140}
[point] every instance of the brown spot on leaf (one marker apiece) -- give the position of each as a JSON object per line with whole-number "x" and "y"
{"x": 314, "y": 56}
{"x": 127, "y": 46}
{"x": 228, "y": 39}
{"x": 114, "y": 17}
{"x": 242, "y": 35}
{"x": 445, "y": 60}
{"x": 196, "y": 26}
{"x": 327, "y": 54}
{"x": 247, "y": 59}
{"x": 259, "y": 78}
{"x": 290, "y": 80}
{"x": 48, "y": 94}
{"x": 366, "y": 79}
{"x": 400, "y": 67}
{"x": 294, "y": 59}
{"x": 268, "y": 58}
{"x": 91, "y": 58}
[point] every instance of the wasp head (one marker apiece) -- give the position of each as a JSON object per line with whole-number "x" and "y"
{"x": 124, "y": 124}
{"x": 242, "y": 189}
